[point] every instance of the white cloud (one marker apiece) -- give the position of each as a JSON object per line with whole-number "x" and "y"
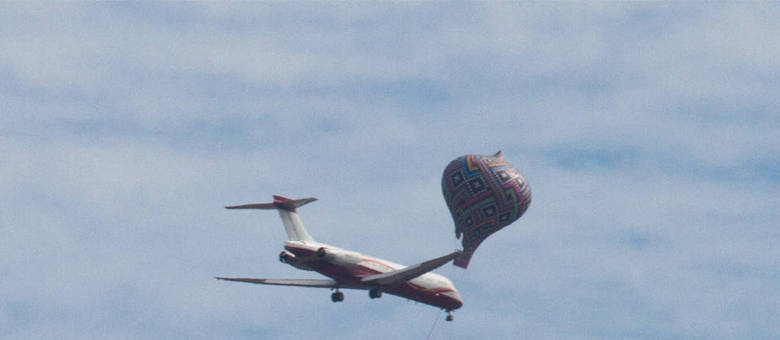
{"x": 647, "y": 132}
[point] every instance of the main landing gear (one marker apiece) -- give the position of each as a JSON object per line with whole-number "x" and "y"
{"x": 449, "y": 316}
{"x": 337, "y": 296}
{"x": 375, "y": 293}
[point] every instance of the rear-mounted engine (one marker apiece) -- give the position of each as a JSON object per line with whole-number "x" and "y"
{"x": 290, "y": 258}
{"x": 339, "y": 256}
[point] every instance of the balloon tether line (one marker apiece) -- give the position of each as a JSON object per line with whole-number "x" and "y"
{"x": 434, "y": 325}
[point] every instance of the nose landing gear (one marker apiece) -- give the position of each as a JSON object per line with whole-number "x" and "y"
{"x": 374, "y": 293}
{"x": 337, "y": 296}
{"x": 449, "y": 316}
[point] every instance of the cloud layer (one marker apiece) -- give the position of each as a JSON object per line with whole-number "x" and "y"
{"x": 648, "y": 132}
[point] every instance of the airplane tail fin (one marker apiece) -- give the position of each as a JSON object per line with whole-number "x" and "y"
{"x": 287, "y": 212}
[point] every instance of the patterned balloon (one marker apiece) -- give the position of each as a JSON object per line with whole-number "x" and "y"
{"x": 484, "y": 194}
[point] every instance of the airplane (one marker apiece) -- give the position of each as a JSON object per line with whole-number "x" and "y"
{"x": 351, "y": 270}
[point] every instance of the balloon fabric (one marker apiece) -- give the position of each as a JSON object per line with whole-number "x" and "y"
{"x": 484, "y": 194}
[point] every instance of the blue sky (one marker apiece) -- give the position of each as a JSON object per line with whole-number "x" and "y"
{"x": 649, "y": 133}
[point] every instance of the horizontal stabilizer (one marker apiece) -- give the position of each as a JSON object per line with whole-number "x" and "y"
{"x": 286, "y": 208}
{"x": 278, "y": 203}
{"x": 405, "y": 274}
{"x": 253, "y": 206}
{"x": 313, "y": 283}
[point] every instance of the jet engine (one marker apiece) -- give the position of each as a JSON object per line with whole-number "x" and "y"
{"x": 290, "y": 258}
{"x": 339, "y": 257}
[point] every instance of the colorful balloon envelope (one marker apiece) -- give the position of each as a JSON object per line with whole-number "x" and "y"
{"x": 484, "y": 194}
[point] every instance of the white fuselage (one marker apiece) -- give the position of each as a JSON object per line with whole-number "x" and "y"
{"x": 349, "y": 268}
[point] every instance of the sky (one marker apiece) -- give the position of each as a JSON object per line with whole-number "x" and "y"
{"x": 648, "y": 131}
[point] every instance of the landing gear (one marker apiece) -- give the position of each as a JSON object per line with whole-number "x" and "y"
{"x": 337, "y": 296}
{"x": 449, "y": 316}
{"x": 375, "y": 293}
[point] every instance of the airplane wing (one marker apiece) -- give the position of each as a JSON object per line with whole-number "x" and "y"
{"x": 405, "y": 274}
{"x": 313, "y": 283}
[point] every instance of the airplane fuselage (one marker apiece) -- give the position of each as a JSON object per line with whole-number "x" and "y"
{"x": 349, "y": 268}
{"x": 352, "y": 270}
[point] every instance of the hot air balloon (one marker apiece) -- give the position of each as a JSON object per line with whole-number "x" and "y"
{"x": 484, "y": 194}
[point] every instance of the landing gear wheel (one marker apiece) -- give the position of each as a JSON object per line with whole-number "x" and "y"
{"x": 375, "y": 293}
{"x": 449, "y": 317}
{"x": 337, "y": 296}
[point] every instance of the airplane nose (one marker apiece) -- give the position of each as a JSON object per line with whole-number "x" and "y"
{"x": 457, "y": 302}
{"x": 458, "y": 299}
